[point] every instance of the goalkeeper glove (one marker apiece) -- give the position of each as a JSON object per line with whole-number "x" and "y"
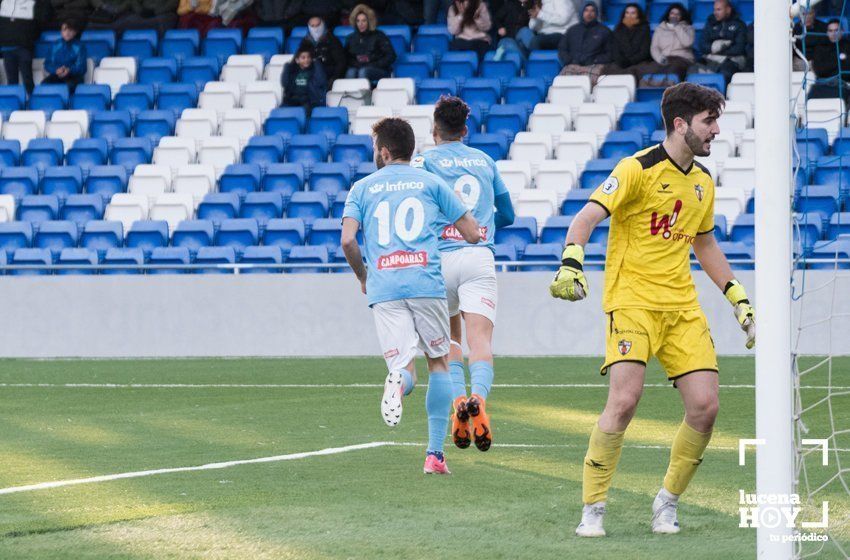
{"x": 744, "y": 312}
{"x": 570, "y": 282}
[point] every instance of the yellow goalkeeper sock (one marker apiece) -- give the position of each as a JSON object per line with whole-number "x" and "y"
{"x": 603, "y": 453}
{"x": 685, "y": 456}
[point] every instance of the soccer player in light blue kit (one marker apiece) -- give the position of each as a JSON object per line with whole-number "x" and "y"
{"x": 400, "y": 209}
{"x": 469, "y": 270}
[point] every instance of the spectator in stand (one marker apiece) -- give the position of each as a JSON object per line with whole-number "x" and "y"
{"x": 829, "y": 55}
{"x": 671, "y": 48}
{"x": 370, "y": 53}
{"x": 815, "y": 35}
{"x": 277, "y": 13}
{"x": 630, "y": 43}
{"x": 469, "y": 23}
{"x": 63, "y": 10}
{"x": 586, "y": 48}
{"x": 326, "y": 48}
{"x": 724, "y": 40}
{"x": 433, "y": 8}
{"x": 66, "y": 63}
{"x": 547, "y": 23}
{"x": 20, "y": 24}
{"x": 509, "y": 18}
{"x": 304, "y": 82}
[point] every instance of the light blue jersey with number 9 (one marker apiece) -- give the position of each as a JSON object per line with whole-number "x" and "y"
{"x": 401, "y": 210}
{"x": 476, "y": 181}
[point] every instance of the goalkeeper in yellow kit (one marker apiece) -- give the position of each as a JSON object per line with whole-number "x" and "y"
{"x": 661, "y": 204}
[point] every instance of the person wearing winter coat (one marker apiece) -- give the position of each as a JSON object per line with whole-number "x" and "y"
{"x": 326, "y": 48}
{"x": 815, "y": 35}
{"x": 20, "y": 25}
{"x": 304, "y": 82}
{"x": 724, "y": 40}
{"x": 828, "y": 54}
{"x": 66, "y": 63}
{"x": 370, "y": 53}
{"x": 547, "y": 23}
{"x": 64, "y": 10}
{"x": 509, "y": 16}
{"x": 630, "y": 42}
{"x": 586, "y": 48}
{"x": 671, "y": 48}
{"x": 469, "y": 23}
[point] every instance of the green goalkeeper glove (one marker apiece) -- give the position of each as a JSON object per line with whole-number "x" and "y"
{"x": 570, "y": 282}
{"x": 744, "y": 312}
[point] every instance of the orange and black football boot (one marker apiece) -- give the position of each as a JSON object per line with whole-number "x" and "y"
{"x": 460, "y": 423}
{"x": 476, "y": 408}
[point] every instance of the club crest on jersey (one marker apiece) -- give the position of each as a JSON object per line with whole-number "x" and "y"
{"x": 624, "y": 346}
{"x": 610, "y": 185}
{"x": 402, "y": 259}
{"x": 418, "y": 161}
{"x": 699, "y": 192}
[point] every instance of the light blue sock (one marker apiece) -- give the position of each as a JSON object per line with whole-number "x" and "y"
{"x": 458, "y": 379}
{"x": 438, "y": 400}
{"x": 481, "y": 375}
{"x": 407, "y": 383}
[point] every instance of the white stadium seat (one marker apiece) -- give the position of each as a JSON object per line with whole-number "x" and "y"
{"x": 394, "y": 93}
{"x": 615, "y": 89}
{"x": 747, "y": 144}
{"x": 173, "y": 208}
{"x": 127, "y": 208}
{"x": 579, "y": 147}
{"x": 274, "y": 69}
{"x": 515, "y": 174}
{"x": 7, "y": 208}
{"x": 533, "y": 147}
{"x": 739, "y": 173}
{"x": 729, "y": 201}
{"x": 421, "y": 118}
{"x": 219, "y": 151}
{"x": 366, "y": 116}
{"x": 150, "y": 180}
{"x": 598, "y": 118}
{"x": 825, "y": 113}
{"x": 351, "y": 93}
{"x": 723, "y": 146}
{"x": 736, "y": 118}
{"x": 196, "y": 180}
{"x": 557, "y": 175}
{"x": 220, "y": 96}
{"x": 710, "y": 164}
{"x": 550, "y": 118}
{"x": 264, "y": 96}
{"x": 197, "y": 124}
{"x": 572, "y": 91}
{"x": 537, "y": 204}
{"x": 67, "y": 126}
{"x": 175, "y": 152}
{"x": 24, "y": 126}
{"x": 115, "y": 72}
{"x": 242, "y": 124}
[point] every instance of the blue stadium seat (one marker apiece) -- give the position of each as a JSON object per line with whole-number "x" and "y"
{"x": 131, "y": 152}
{"x": 31, "y": 257}
{"x": 49, "y": 98}
{"x": 92, "y": 97}
{"x": 338, "y": 206}
{"x": 337, "y": 257}
{"x": 621, "y": 143}
{"x": 828, "y": 251}
{"x": 42, "y": 153}
{"x": 575, "y": 201}
{"x": 364, "y": 170}
{"x": 87, "y": 153}
{"x": 743, "y": 230}
{"x": 330, "y": 121}
{"x": 434, "y": 29}
{"x": 238, "y": 233}
{"x": 841, "y": 144}
{"x": 330, "y": 178}
{"x": 326, "y": 232}
{"x": 45, "y": 42}
{"x": 600, "y": 233}
{"x": 307, "y": 254}
{"x": 15, "y": 235}
{"x": 555, "y": 229}
{"x": 215, "y": 255}
{"x": 56, "y": 236}
{"x": 399, "y": 35}
{"x": 506, "y": 119}
{"x": 738, "y": 251}
{"x": 261, "y": 255}
{"x": 157, "y": 71}
{"x": 594, "y": 256}
{"x": 716, "y": 81}
{"x": 218, "y": 207}
{"x": 833, "y": 170}
{"x": 106, "y": 180}
{"x": 180, "y": 44}
{"x": 352, "y": 149}
{"x": 81, "y": 208}
{"x": 193, "y": 234}
{"x": 10, "y": 153}
{"x": 62, "y": 181}
{"x": 546, "y": 252}
{"x": 342, "y": 32}
{"x": 526, "y": 91}
{"x": 296, "y": 36}
{"x": 502, "y": 70}
{"x": 808, "y": 229}
{"x": 139, "y": 43}
{"x": 265, "y": 41}
{"x": 284, "y": 178}
{"x": 199, "y": 70}
{"x": 483, "y": 92}
{"x": 262, "y": 207}
{"x": 649, "y": 94}
{"x": 812, "y": 143}
{"x": 543, "y": 64}
{"x": 839, "y": 224}
{"x": 458, "y": 66}
{"x": 264, "y": 150}
{"x": 720, "y": 227}
{"x": 657, "y": 9}
{"x": 505, "y": 252}
{"x": 494, "y": 145}
{"x": 658, "y": 136}
{"x": 111, "y": 125}
{"x": 643, "y": 117}
{"x": 222, "y": 42}
{"x": 419, "y": 66}
{"x": 309, "y": 206}
{"x": 153, "y": 125}
{"x": 147, "y": 235}
{"x": 12, "y": 98}
{"x": 77, "y": 257}
{"x": 100, "y": 236}
{"x": 286, "y": 121}
{"x": 130, "y": 259}
{"x": 240, "y": 178}
{"x": 435, "y": 45}
{"x": 38, "y": 208}
{"x": 134, "y": 98}
{"x": 307, "y": 149}
{"x": 596, "y": 171}
{"x": 19, "y": 181}
{"x": 284, "y": 233}
{"x": 429, "y": 91}
{"x": 169, "y": 256}
{"x": 99, "y": 43}
{"x": 176, "y": 97}
{"x": 521, "y": 233}
{"x": 823, "y": 200}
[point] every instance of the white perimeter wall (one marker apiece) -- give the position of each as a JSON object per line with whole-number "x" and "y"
{"x": 326, "y": 315}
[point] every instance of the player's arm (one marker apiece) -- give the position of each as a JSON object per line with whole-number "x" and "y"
{"x": 352, "y": 250}
{"x": 504, "y": 215}
{"x": 455, "y": 212}
{"x": 467, "y": 225}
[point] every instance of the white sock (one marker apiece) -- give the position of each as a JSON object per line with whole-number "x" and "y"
{"x": 664, "y": 494}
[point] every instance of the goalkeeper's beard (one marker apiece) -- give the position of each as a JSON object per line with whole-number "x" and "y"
{"x": 697, "y": 144}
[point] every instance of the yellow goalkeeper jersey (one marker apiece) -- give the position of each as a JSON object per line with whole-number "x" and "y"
{"x": 657, "y": 209}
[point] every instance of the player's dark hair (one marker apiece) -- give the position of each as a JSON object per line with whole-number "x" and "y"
{"x": 833, "y": 20}
{"x": 396, "y": 135}
{"x": 450, "y": 116}
{"x": 684, "y": 100}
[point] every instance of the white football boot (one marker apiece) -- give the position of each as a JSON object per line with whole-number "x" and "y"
{"x": 391, "y": 401}
{"x": 664, "y": 513}
{"x": 591, "y": 521}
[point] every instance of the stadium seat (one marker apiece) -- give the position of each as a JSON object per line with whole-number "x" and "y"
{"x": 364, "y": 170}
{"x": 165, "y": 256}
{"x": 180, "y": 44}
{"x": 503, "y": 70}
{"x": 596, "y": 171}
{"x": 506, "y": 119}
{"x": 99, "y": 43}
{"x": 555, "y": 229}
{"x": 261, "y": 256}
{"x": 222, "y": 43}
{"x": 483, "y": 92}
{"x": 127, "y": 208}
{"x": 62, "y": 181}
{"x": 265, "y": 41}
{"x": 242, "y": 124}
{"x": 219, "y": 151}
{"x": 115, "y": 72}
{"x": 433, "y": 44}
{"x": 131, "y": 152}
{"x": 532, "y": 147}
{"x": 263, "y": 150}
{"x": 42, "y": 153}
{"x": 172, "y": 208}
{"x": 594, "y": 256}
{"x": 458, "y": 66}
{"x": 418, "y": 66}
{"x": 197, "y": 124}
{"x": 515, "y": 174}
{"x": 716, "y": 81}
{"x": 264, "y": 96}
{"x": 199, "y": 71}
{"x": 12, "y": 98}
{"x": 38, "y": 208}
{"x": 49, "y": 98}
{"x": 309, "y": 206}
{"x": 738, "y": 172}
{"x": 216, "y": 256}
{"x": 19, "y": 182}
{"x": 598, "y": 118}
{"x": 307, "y": 254}
{"x": 262, "y": 207}
{"x": 352, "y": 149}
{"x": 147, "y": 235}
{"x": 243, "y": 69}
{"x": 284, "y": 178}
{"x": 825, "y": 113}
{"x": 91, "y": 98}
{"x": 80, "y": 257}
{"x": 541, "y": 253}
{"x": 307, "y": 149}
{"x": 743, "y": 230}
{"x": 111, "y": 125}
{"x": 176, "y": 97}
{"x": 14, "y": 236}
{"x": 286, "y": 122}
{"x": 134, "y": 98}
{"x": 67, "y": 126}
{"x": 619, "y": 144}
{"x": 839, "y": 224}
{"x": 81, "y": 208}
{"x": 87, "y": 153}
{"x": 642, "y": 117}
{"x": 832, "y": 170}
{"x": 106, "y": 180}
{"x": 238, "y": 233}
{"x": 556, "y": 175}
{"x": 284, "y": 233}
{"x": 330, "y": 121}
{"x": 421, "y": 119}
{"x": 824, "y": 200}
{"x": 100, "y": 236}
{"x": 30, "y": 257}
{"x": 575, "y": 201}
{"x": 196, "y": 180}
{"x": 349, "y": 93}
{"x": 720, "y": 227}
{"x": 729, "y": 202}
{"x": 326, "y": 232}
{"x": 7, "y": 208}
{"x": 10, "y": 153}
{"x": 494, "y": 145}
{"x": 550, "y": 119}
{"x": 828, "y": 252}
{"x": 808, "y": 229}
{"x": 338, "y": 206}
{"x": 504, "y": 252}
{"x": 154, "y": 125}
{"x": 274, "y": 68}
{"x": 220, "y": 96}
{"x": 157, "y": 71}
{"x": 330, "y": 178}
{"x": 366, "y": 116}
{"x": 129, "y": 260}
{"x": 240, "y": 178}
{"x": 544, "y": 64}
{"x": 527, "y": 91}
{"x": 521, "y": 233}
{"x": 218, "y": 207}
{"x": 600, "y": 232}
{"x": 429, "y": 91}
{"x": 24, "y": 126}
{"x": 572, "y": 91}
{"x": 399, "y": 36}
{"x": 193, "y": 234}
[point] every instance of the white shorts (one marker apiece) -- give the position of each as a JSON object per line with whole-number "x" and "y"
{"x": 406, "y": 325}
{"x": 470, "y": 275}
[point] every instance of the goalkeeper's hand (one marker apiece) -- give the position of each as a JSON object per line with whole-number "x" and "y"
{"x": 744, "y": 312}
{"x": 570, "y": 282}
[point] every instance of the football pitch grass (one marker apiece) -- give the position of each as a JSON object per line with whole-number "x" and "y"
{"x": 65, "y": 420}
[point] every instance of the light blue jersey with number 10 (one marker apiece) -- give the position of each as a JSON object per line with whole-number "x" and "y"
{"x": 476, "y": 181}
{"x": 401, "y": 210}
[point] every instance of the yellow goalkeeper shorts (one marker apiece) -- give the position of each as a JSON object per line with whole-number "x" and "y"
{"x": 681, "y": 340}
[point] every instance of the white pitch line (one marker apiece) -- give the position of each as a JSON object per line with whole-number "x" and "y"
{"x": 347, "y": 386}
